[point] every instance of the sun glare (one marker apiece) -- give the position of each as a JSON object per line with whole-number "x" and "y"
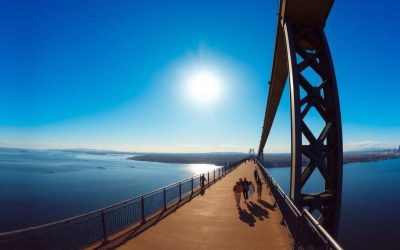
{"x": 201, "y": 168}
{"x": 203, "y": 87}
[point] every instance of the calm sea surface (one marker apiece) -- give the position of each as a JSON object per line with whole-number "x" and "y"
{"x": 41, "y": 186}
{"x": 370, "y": 217}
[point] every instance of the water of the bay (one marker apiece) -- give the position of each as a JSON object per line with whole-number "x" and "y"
{"x": 42, "y": 186}
{"x": 370, "y": 203}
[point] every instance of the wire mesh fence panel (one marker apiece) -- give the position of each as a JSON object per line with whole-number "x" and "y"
{"x": 153, "y": 202}
{"x": 172, "y": 194}
{"x": 211, "y": 176}
{"x": 216, "y": 172}
{"x": 86, "y": 232}
{"x": 196, "y": 182}
{"x": 62, "y": 241}
{"x": 16, "y": 244}
{"x": 310, "y": 236}
{"x": 123, "y": 216}
{"x": 74, "y": 235}
{"x": 291, "y": 218}
{"x": 186, "y": 187}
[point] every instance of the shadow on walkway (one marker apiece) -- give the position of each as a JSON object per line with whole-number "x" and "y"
{"x": 267, "y": 205}
{"x": 254, "y": 211}
{"x": 246, "y": 217}
{"x": 257, "y": 210}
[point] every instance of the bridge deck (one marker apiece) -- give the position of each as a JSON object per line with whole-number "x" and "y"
{"x": 213, "y": 221}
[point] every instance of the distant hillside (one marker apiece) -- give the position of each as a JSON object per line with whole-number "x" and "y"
{"x": 270, "y": 160}
{"x": 218, "y": 159}
{"x": 283, "y": 160}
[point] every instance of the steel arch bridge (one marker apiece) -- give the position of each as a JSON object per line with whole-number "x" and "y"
{"x": 301, "y": 44}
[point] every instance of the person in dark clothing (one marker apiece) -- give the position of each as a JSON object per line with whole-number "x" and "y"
{"x": 245, "y": 186}
{"x": 259, "y": 189}
{"x": 202, "y": 181}
{"x": 256, "y": 177}
{"x": 237, "y": 189}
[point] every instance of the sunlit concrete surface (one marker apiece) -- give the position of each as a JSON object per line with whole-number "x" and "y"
{"x": 213, "y": 221}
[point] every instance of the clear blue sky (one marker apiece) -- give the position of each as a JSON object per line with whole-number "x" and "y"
{"x": 112, "y": 74}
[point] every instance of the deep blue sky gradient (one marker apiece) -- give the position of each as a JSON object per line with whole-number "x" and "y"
{"x": 106, "y": 74}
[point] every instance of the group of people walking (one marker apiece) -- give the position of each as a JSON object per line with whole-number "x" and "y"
{"x": 245, "y": 187}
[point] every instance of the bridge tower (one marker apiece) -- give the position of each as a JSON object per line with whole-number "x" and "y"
{"x": 251, "y": 152}
{"x": 301, "y": 45}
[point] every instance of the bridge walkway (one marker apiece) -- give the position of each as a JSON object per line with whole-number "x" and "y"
{"x": 213, "y": 221}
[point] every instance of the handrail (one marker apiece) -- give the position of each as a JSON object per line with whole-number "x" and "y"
{"x": 322, "y": 229}
{"x": 301, "y": 233}
{"x": 80, "y": 231}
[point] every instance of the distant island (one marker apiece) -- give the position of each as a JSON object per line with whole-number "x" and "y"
{"x": 92, "y": 151}
{"x": 270, "y": 160}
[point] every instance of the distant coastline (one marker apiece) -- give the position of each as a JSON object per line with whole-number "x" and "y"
{"x": 218, "y": 159}
{"x": 270, "y": 160}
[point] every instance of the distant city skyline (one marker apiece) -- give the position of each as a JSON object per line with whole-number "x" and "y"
{"x": 115, "y": 75}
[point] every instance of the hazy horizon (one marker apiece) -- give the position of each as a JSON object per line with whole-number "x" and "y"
{"x": 175, "y": 152}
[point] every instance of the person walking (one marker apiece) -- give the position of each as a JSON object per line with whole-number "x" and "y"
{"x": 259, "y": 189}
{"x": 245, "y": 186}
{"x": 256, "y": 177}
{"x": 251, "y": 190}
{"x": 202, "y": 181}
{"x": 237, "y": 190}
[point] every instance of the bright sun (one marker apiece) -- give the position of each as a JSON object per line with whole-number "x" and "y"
{"x": 203, "y": 87}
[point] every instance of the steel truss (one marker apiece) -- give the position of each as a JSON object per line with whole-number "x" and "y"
{"x": 307, "y": 48}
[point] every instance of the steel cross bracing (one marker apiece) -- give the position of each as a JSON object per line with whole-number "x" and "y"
{"x": 301, "y": 46}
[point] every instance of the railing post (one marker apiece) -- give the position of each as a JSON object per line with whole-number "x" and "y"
{"x": 192, "y": 190}
{"x": 142, "y": 206}
{"x": 180, "y": 191}
{"x": 165, "y": 200}
{"x": 103, "y": 225}
{"x": 214, "y": 175}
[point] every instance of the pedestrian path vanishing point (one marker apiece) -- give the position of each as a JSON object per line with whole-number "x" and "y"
{"x": 213, "y": 221}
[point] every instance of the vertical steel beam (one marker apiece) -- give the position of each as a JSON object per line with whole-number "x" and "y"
{"x": 324, "y": 150}
{"x": 295, "y": 112}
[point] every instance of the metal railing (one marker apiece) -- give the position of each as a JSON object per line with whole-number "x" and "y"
{"x": 305, "y": 230}
{"x": 86, "y": 229}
